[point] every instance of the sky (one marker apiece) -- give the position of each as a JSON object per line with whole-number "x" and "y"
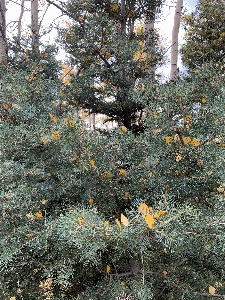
{"x": 52, "y": 18}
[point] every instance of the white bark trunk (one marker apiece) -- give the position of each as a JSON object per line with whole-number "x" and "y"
{"x": 34, "y": 24}
{"x": 175, "y": 34}
{"x": 20, "y": 19}
{"x": 91, "y": 120}
{"x": 2, "y": 31}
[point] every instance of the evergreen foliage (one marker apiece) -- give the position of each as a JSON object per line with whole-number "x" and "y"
{"x": 86, "y": 215}
{"x": 112, "y": 57}
{"x": 205, "y": 32}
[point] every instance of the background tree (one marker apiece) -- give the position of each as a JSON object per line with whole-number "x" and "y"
{"x": 205, "y": 31}
{"x": 111, "y": 57}
{"x": 34, "y": 25}
{"x": 2, "y": 31}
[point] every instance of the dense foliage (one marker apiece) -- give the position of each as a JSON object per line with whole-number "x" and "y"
{"x": 110, "y": 215}
{"x": 205, "y": 32}
{"x": 112, "y": 57}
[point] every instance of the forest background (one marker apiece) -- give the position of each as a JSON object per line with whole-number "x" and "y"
{"x": 130, "y": 211}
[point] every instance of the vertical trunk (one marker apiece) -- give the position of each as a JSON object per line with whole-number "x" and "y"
{"x": 20, "y": 19}
{"x": 175, "y": 33}
{"x": 2, "y": 31}
{"x": 34, "y": 25}
{"x": 149, "y": 27}
{"x": 123, "y": 14}
{"x": 91, "y": 120}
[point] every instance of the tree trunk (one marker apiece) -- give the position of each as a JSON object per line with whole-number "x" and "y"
{"x": 123, "y": 20}
{"x": 174, "y": 47}
{"x": 149, "y": 27}
{"x": 34, "y": 25}
{"x": 20, "y": 19}
{"x": 2, "y": 31}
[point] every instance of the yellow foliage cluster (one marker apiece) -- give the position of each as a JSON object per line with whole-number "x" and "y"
{"x": 65, "y": 76}
{"x": 186, "y": 140}
{"x": 149, "y": 215}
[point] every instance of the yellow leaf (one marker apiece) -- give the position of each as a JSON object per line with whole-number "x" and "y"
{"x": 149, "y": 220}
{"x": 124, "y": 220}
{"x": 106, "y": 224}
{"x": 30, "y": 216}
{"x": 164, "y": 272}
{"x": 91, "y": 201}
{"x": 80, "y": 220}
{"x": 107, "y": 269}
{"x": 159, "y": 214}
{"x": 38, "y": 214}
{"x": 43, "y": 201}
{"x": 144, "y": 208}
{"x": 118, "y": 224}
{"x": 155, "y": 115}
{"x": 168, "y": 139}
{"x": 92, "y": 162}
{"x": 188, "y": 118}
{"x": 106, "y": 175}
{"x": 212, "y": 290}
{"x": 122, "y": 172}
{"x": 195, "y": 143}
{"x": 12, "y": 298}
{"x": 186, "y": 140}
{"x": 73, "y": 158}
{"x": 123, "y": 128}
{"x": 178, "y": 158}
{"x": 53, "y": 118}
{"x": 204, "y": 100}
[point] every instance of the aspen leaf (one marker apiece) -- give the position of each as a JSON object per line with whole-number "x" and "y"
{"x": 107, "y": 269}
{"x": 164, "y": 272}
{"x": 149, "y": 220}
{"x": 124, "y": 220}
{"x": 118, "y": 224}
{"x": 212, "y": 290}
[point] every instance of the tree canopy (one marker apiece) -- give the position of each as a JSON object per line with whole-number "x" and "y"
{"x": 109, "y": 214}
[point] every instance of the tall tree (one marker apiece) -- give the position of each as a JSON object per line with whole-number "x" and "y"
{"x": 205, "y": 34}
{"x": 111, "y": 56}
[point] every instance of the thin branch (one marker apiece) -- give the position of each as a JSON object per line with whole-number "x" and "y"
{"x": 60, "y": 8}
{"x": 43, "y": 16}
